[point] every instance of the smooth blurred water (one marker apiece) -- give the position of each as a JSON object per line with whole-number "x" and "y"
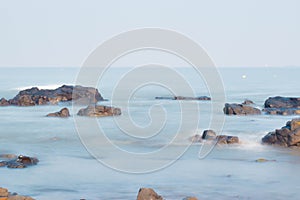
{"x": 67, "y": 171}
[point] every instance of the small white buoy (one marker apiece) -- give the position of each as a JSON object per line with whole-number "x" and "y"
{"x": 244, "y": 76}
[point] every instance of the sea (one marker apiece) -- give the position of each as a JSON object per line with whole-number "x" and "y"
{"x": 148, "y": 145}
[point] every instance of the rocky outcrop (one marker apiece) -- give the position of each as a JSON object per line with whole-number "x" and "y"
{"x": 248, "y": 102}
{"x": 287, "y": 136}
{"x": 4, "y": 102}
{"x": 148, "y": 194}
{"x": 190, "y": 198}
{"x": 210, "y": 135}
{"x": 240, "y": 109}
{"x": 99, "y": 111}
{"x": 62, "y": 113}
{"x": 6, "y": 195}
{"x": 13, "y": 161}
{"x": 65, "y": 93}
{"x": 282, "y": 106}
{"x": 201, "y": 98}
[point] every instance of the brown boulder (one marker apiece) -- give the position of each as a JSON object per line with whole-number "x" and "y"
{"x": 240, "y": 109}
{"x": 62, "y": 113}
{"x": 4, "y": 102}
{"x": 99, "y": 111}
{"x": 148, "y": 194}
{"x": 225, "y": 139}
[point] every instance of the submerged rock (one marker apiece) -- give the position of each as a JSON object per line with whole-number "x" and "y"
{"x": 62, "y": 113}
{"x": 6, "y": 195}
{"x": 200, "y": 98}
{"x": 190, "y": 198}
{"x": 99, "y": 111}
{"x": 148, "y": 194}
{"x": 262, "y": 160}
{"x": 282, "y": 106}
{"x": 240, "y": 109}
{"x": 287, "y": 136}
{"x": 210, "y": 135}
{"x": 65, "y": 93}
{"x": 19, "y": 161}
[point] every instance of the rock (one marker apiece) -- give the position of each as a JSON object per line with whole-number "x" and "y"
{"x": 200, "y": 98}
{"x": 282, "y": 106}
{"x": 19, "y": 162}
{"x": 148, "y": 194}
{"x": 62, "y": 113}
{"x": 35, "y": 96}
{"x": 4, "y": 102}
{"x": 225, "y": 139}
{"x": 5, "y": 195}
{"x": 287, "y": 136}
{"x": 209, "y": 135}
{"x": 99, "y": 111}
{"x": 196, "y": 138}
{"x": 190, "y": 198}
{"x": 248, "y": 102}
{"x": 240, "y": 109}
{"x": 262, "y": 160}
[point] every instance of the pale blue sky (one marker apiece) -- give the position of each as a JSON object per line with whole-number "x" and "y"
{"x": 234, "y": 32}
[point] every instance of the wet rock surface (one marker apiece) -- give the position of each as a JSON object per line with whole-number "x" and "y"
{"x": 13, "y": 161}
{"x": 65, "y": 93}
{"x": 62, "y": 113}
{"x": 148, "y": 194}
{"x": 282, "y": 106}
{"x": 287, "y": 136}
{"x": 240, "y": 109}
{"x": 210, "y": 135}
{"x": 200, "y": 98}
{"x": 6, "y": 195}
{"x": 99, "y": 111}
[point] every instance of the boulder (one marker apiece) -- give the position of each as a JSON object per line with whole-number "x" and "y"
{"x": 65, "y": 93}
{"x": 196, "y": 138}
{"x": 209, "y": 135}
{"x": 200, "y": 98}
{"x": 99, "y": 111}
{"x": 225, "y": 139}
{"x": 6, "y": 195}
{"x": 190, "y": 198}
{"x": 4, "y": 102}
{"x": 282, "y": 106}
{"x": 148, "y": 194}
{"x": 287, "y": 136}
{"x": 19, "y": 162}
{"x": 240, "y": 109}
{"x": 62, "y": 113}
{"x": 248, "y": 102}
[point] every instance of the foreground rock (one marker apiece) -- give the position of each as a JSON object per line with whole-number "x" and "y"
{"x": 287, "y": 136}
{"x": 148, "y": 194}
{"x": 62, "y": 113}
{"x": 282, "y": 106}
{"x": 6, "y": 195}
{"x": 240, "y": 109}
{"x": 65, "y": 93}
{"x": 211, "y": 135}
{"x": 99, "y": 111}
{"x": 201, "y": 98}
{"x": 13, "y": 161}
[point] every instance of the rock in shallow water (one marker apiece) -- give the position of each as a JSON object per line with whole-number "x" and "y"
{"x": 282, "y": 106}
{"x": 287, "y": 136}
{"x": 240, "y": 109}
{"x": 99, "y": 111}
{"x": 35, "y": 96}
{"x": 19, "y": 161}
{"x": 6, "y": 195}
{"x": 148, "y": 194}
{"x": 62, "y": 113}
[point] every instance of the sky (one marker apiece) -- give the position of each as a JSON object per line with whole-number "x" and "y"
{"x": 235, "y": 33}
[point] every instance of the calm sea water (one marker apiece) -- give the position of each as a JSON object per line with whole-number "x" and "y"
{"x": 67, "y": 171}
